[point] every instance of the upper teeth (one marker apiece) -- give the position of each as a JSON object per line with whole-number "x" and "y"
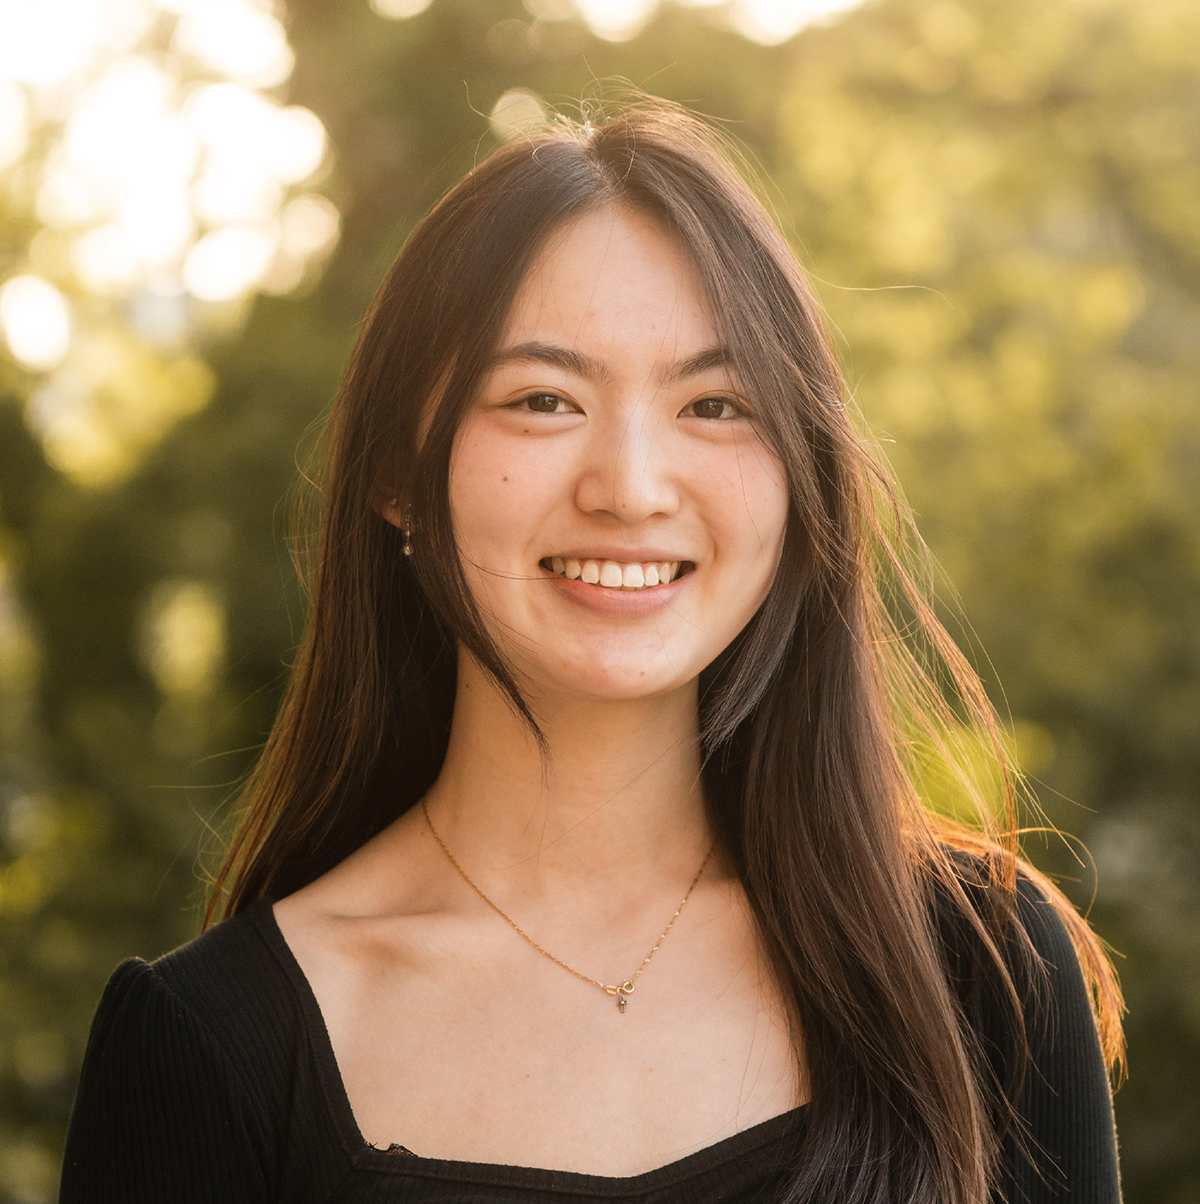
{"x": 612, "y": 575}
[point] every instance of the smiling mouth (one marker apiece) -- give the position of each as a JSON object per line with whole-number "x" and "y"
{"x": 611, "y": 574}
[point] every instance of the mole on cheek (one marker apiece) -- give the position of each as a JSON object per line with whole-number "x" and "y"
{"x": 504, "y": 478}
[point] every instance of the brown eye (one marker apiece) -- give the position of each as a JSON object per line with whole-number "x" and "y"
{"x": 712, "y": 407}
{"x": 543, "y": 403}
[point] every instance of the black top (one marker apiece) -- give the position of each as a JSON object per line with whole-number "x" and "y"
{"x": 210, "y": 1079}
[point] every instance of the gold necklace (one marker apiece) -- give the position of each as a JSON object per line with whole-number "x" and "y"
{"x": 621, "y": 991}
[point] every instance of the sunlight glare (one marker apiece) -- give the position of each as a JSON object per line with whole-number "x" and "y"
{"x": 158, "y": 173}
{"x": 14, "y": 123}
{"x": 47, "y": 41}
{"x": 239, "y": 40}
{"x": 158, "y": 224}
{"x": 247, "y": 131}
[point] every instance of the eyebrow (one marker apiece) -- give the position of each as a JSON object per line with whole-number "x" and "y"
{"x": 703, "y": 361}
{"x": 574, "y": 362}
{"x": 579, "y": 364}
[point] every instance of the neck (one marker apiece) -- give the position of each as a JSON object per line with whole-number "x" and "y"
{"x": 615, "y": 799}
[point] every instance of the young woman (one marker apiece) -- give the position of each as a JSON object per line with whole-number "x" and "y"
{"x": 585, "y": 860}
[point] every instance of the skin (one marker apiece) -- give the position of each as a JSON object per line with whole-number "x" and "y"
{"x": 454, "y": 1037}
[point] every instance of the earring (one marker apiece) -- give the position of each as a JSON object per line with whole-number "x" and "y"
{"x": 406, "y": 548}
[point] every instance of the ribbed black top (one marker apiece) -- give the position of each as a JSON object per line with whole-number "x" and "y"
{"x": 210, "y": 1079}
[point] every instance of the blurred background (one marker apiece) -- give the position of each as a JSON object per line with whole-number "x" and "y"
{"x": 999, "y": 201}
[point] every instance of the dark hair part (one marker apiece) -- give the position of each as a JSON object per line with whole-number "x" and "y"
{"x": 809, "y": 719}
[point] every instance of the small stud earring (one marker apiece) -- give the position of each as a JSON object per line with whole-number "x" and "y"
{"x": 406, "y": 548}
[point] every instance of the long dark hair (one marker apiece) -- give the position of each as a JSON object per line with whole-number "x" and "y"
{"x": 810, "y": 721}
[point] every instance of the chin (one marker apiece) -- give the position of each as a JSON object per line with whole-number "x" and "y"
{"x": 612, "y": 683}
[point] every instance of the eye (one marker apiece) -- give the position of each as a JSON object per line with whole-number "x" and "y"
{"x": 711, "y": 407}
{"x": 544, "y": 403}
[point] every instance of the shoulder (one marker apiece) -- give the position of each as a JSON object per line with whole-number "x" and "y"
{"x": 224, "y": 1001}
{"x": 1030, "y": 1008}
{"x": 1012, "y": 965}
{"x": 1043, "y": 924}
{"x": 237, "y": 976}
{"x": 1010, "y": 956}
{"x": 202, "y": 1079}
{"x": 1025, "y": 923}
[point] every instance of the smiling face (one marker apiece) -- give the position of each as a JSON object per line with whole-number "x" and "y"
{"x": 618, "y": 515}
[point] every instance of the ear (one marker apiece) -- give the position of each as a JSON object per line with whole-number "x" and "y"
{"x": 390, "y": 509}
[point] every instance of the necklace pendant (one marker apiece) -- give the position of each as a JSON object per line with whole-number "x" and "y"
{"x": 621, "y": 1001}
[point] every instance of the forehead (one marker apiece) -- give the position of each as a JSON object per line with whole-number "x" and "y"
{"x": 613, "y": 273}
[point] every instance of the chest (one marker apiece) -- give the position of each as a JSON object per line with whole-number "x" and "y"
{"x": 471, "y": 1045}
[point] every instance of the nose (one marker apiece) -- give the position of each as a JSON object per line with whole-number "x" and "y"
{"x": 627, "y": 471}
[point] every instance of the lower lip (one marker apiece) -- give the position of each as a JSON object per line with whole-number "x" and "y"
{"x": 631, "y": 603}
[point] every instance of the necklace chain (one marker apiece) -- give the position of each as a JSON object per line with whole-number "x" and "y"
{"x": 621, "y": 991}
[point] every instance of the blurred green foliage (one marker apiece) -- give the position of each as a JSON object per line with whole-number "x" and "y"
{"x": 1000, "y": 203}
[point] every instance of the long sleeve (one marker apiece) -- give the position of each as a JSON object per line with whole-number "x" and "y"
{"x": 161, "y": 1116}
{"x": 1065, "y": 1118}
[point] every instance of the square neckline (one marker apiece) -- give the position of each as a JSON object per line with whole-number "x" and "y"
{"x": 399, "y": 1159}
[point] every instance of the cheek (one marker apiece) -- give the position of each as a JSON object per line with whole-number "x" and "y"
{"x": 750, "y": 503}
{"x": 499, "y": 488}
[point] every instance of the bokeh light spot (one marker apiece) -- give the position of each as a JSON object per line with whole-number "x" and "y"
{"x": 237, "y": 39}
{"x": 228, "y": 262}
{"x": 400, "y": 10}
{"x": 113, "y": 398}
{"x": 160, "y": 174}
{"x": 770, "y": 22}
{"x": 228, "y": 193}
{"x": 617, "y": 20}
{"x": 36, "y": 322}
{"x": 184, "y": 637}
{"x": 310, "y": 226}
{"x": 48, "y": 41}
{"x": 14, "y": 123}
{"x": 517, "y": 114}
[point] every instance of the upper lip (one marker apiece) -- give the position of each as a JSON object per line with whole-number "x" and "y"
{"x": 621, "y": 555}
